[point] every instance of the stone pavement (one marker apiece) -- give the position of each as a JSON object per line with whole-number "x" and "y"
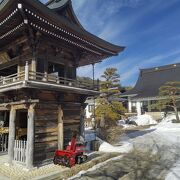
{"x": 17, "y": 172}
{"x": 50, "y": 171}
{"x": 3, "y": 159}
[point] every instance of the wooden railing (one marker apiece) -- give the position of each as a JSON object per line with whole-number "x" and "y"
{"x": 12, "y": 78}
{"x": 3, "y": 142}
{"x": 36, "y": 76}
{"x": 20, "y": 151}
{"x": 28, "y": 75}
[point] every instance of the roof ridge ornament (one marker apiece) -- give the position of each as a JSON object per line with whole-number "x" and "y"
{"x": 19, "y": 6}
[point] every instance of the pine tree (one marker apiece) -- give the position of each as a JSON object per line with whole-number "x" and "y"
{"x": 108, "y": 103}
{"x": 110, "y": 85}
{"x": 169, "y": 96}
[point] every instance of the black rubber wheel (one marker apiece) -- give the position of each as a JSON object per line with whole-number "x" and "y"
{"x": 79, "y": 160}
{"x": 84, "y": 158}
{"x": 55, "y": 160}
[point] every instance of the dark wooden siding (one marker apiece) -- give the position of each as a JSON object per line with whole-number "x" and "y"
{"x": 46, "y": 122}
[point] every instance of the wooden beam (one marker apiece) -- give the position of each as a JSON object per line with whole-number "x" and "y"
{"x": 19, "y": 104}
{"x": 11, "y": 140}
{"x": 8, "y": 64}
{"x": 30, "y": 137}
{"x": 4, "y": 108}
{"x": 60, "y": 128}
{"x": 18, "y": 41}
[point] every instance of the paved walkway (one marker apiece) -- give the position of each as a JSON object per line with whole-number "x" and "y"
{"x": 17, "y": 172}
{"x": 50, "y": 171}
{"x": 3, "y": 159}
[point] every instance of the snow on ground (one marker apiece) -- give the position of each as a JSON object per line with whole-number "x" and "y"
{"x": 140, "y": 120}
{"x": 174, "y": 173}
{"x": 163, "y": 139}
{"x": 88, "y": 128}
{"x": 169, "y": 118}
{"x": 166, "y": 128}
{"x": 106, "y": 147}
{"x": 143, "y": 120}
{"x": 95, "y": 167}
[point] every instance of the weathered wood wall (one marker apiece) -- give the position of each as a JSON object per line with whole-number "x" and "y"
{"x": 46, "y": 122}
{"x": 71, "y": 119}
{"x": 45, "y": 131}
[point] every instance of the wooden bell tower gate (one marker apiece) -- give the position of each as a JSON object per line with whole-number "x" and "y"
{"x": 40, "y": 51}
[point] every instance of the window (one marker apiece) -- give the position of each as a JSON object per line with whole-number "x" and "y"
{"x": 91, "y": 108}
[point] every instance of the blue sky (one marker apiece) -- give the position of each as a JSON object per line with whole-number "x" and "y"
{"x": 149, "y": 29}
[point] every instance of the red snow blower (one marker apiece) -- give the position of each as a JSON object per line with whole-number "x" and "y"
{"x": 74, "y": 154}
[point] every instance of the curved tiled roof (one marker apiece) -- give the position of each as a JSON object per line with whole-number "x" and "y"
{"x": 54, "y": 4}
{"x": 151, "y": 79}
{"x": 93, "y": 49}
{"x": 62, "y": 7}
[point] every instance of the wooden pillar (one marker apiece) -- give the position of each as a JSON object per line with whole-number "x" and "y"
{"x": 65, "y": 71}
{"x": 149, "y": 105}
{"x": 26, "y": 71}
{"x": 129, "y": 105}
{"x": 33, "y": 65}
{"x": 93, "y": 74}
{"x": 66, "y": 74}
{"x": 138, "y": 107}
{"x": 60, "y": 129}
{"x": 46, "y": 69}
{"x": 12, "y": 131}
{"x": 82, "y": 123}
{"x": 30, "y": 137}
{"x": 18, "y": 68}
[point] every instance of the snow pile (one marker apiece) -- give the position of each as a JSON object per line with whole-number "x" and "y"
{"x": 124, "y": 124}
{"x": 169, "y": 118}
{"x": 88, "y": 128}
{"x": 143, "y": 120}
{"x": 94, "y": 168}
{"x": 124, "y": 148}
{"x": 167, "y": 126}
{"x": 121, "y": 122}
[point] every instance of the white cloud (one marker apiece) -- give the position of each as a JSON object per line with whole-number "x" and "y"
{"x": 101, "y": 18}
{"x": 147, "y": 63}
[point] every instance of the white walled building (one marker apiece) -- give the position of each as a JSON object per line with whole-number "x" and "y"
{"x": 147, "y": 87}
{"x": 89, "y": 110}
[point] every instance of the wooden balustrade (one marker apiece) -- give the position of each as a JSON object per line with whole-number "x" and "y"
{"x": 3, "y": 142}
{"x": 20, "y": 151}
{"x": 48, "y": 78}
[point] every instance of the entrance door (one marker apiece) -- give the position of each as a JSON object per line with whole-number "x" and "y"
{"x": 21, "y": 136}
{"x": 21, "y": 124}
